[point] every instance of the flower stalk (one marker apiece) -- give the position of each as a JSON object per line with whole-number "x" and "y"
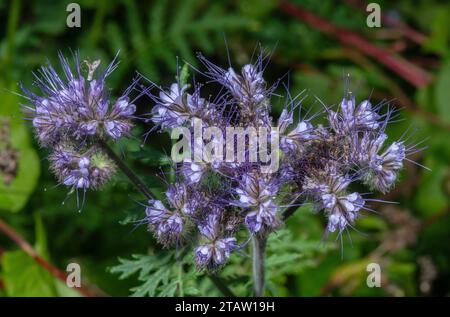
{"x": 259, "y": 247}
{"x": 137, "y": 182}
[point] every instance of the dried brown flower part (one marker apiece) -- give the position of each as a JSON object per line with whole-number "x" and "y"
{"x": 9, "y": 157}
{"x": 428, "y": 274}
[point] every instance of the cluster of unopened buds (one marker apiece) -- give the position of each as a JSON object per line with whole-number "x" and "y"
{"x": 213, "y": 202}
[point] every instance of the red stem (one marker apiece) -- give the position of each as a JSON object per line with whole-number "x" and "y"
{"x": 408, "y": 71}
{"x": 392, "y": 21}
{"x": 27, "y": 248}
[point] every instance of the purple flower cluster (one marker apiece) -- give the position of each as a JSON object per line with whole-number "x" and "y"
{"x": 77, "y": 107}
{"x": 74, "y": 111}
{"x": 212, "y": 201}
{"x": 219, "y": 197}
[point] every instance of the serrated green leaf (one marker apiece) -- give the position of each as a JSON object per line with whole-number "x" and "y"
{"x": 169, "y": 290}
{"x": 159, "y": 275}
{"x": 150, "y": 285}
{"x": 139, "y": 263}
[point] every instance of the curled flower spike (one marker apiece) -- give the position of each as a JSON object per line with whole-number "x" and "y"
{"x": 343, "y": 210}
{"x": 172, "y": 111}
{"x": 379, "y": 170}
{"x": 257, "y": 194}
{"x": 359, "y": 118}
{"x": 167, "y": 225}
{"x": 210, "y": 227}
{"x": 247, "y": 87}
{"x": 329, "y": 190}
{"x": 297, "y": 137}
{"x": 181, "y": 199}
{"x": 75, "y": 107}
{"x": 264, "y": 217}
{"x": 176, "y": 108}
{"x": 386, "y": 166}
{"x": 215, "y": 254}
{"x": 92, "y": 169}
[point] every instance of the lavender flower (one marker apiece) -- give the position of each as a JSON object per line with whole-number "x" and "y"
{"x": 352, "y": 117}
{"x": 331, "y": 192}
{"x": 167, "y": 225}
{"x": 214, "y": 254}
{"x": 172, "y": 111}
{"x": 294, "y": 139}
{"x": 248, "y": 87}
{"x": 257, "y": 194}
{"x": 91, "y": 169}
{"x": 182, "y": 199}
{"x": 219, "y": 244}
{"x": 384, "y": 167}
{"x": 342, "y": 210}
{"x": 193, "y": 171}
{"x": 175, "y": 108}
{"x": 75, "y": 107}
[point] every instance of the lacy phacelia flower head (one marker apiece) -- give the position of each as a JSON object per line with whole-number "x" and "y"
{"x": 91, "y": 169}
{"x": 318, "y": 164}
{"x": 379, "y": 168}
{"x": 76, "y": 107}
{"x": 248, "y": 89}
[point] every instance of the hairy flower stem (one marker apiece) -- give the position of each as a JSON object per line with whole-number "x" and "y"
{"x": 290, "y": 211}
{"x": 259, "y": 246}
{"x": 140, "y": 185}
{"x": 126, "y": 170}
{"x": 221, "y": 286}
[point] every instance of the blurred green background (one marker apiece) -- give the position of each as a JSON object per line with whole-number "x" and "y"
{"x": 411, "y": 240}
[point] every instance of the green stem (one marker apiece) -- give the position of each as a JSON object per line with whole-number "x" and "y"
{"x": 180, "y": 280}
{"x": 218, "y": 282}
{"x": 259, "y": 247}
{"x": 13, "y": 20}
{"x": 126, "y": 170}
{"x": 97, "y": 25}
